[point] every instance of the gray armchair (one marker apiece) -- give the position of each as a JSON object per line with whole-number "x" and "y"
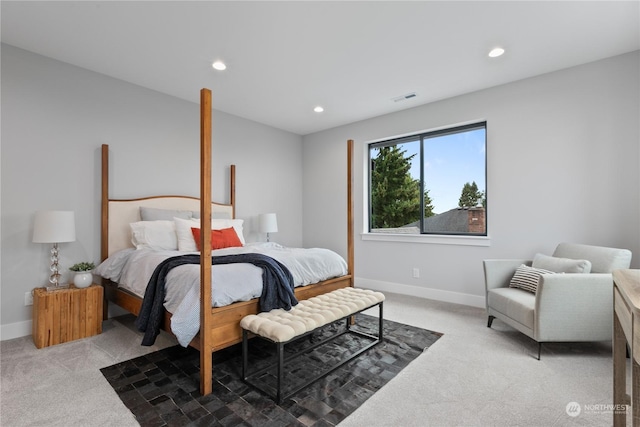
{"x": 573, "y": 306}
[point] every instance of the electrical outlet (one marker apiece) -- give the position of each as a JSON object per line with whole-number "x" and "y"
{"x": 416, "y": 273}
{"x": 28, "y": 298}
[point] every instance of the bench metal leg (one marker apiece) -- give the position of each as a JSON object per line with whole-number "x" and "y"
{"x": 380, "y": 325}
{"x": 280, "y": 355}
{"x": 245, "y": 353}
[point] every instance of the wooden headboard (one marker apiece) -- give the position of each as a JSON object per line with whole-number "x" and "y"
{"x": 118, "y": 214}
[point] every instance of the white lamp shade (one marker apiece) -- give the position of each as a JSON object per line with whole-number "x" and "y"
{"x": 54, "y": 227}
{"x": 268, "y": 223}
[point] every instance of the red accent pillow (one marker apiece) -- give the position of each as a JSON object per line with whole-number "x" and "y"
{"x": 225, "y": 238}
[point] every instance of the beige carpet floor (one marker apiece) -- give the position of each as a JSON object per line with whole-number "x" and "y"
{"x": 472, "y": 376}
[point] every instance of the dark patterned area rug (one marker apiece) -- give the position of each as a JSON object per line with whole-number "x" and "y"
{"x": 162, "y": 388}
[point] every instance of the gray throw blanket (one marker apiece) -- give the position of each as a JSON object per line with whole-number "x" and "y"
{"x": 277, "y": 288}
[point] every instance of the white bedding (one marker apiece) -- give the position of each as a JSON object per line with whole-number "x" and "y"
{"x": 132, "y": 269}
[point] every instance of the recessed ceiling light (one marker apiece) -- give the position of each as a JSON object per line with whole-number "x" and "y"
{"x": 495, "y": 52}
{"x": 219, "y": 65}
{"x": 318, "y": 109}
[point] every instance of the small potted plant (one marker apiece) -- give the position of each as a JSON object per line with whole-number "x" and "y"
{"x": 83, "y": 276}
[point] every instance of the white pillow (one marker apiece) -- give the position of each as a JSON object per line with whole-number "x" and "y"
{"x": 561, "y": 265}
{"x": 157, "y": 235}
{"x": 186, "y": 242}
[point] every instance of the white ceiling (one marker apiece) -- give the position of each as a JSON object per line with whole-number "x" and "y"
{"x": 284, "y": 58}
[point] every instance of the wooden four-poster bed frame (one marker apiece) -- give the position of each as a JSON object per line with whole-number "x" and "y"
{"x": 219, "y": 326}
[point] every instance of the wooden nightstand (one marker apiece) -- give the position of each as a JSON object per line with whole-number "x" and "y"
{"x": 66, "y": 314}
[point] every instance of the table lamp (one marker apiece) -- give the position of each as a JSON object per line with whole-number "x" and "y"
{"x": 268, "y": 224}
{"x": 54, "y": 227}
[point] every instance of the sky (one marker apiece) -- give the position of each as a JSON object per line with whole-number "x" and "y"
{"x": 450, "y": 162}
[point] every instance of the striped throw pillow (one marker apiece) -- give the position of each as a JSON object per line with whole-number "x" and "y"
{"x": 526, "y": 278}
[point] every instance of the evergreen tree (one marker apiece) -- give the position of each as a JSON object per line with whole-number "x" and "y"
{"x": 428, "y": 205}
{"x": 470, "y": 196}
{"x": 395, "y": 195}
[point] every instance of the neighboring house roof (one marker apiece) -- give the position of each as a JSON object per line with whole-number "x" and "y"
{"x": 454, "y": 221}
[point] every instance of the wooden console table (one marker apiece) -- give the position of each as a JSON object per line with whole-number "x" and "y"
{"x": 626, "y": 330}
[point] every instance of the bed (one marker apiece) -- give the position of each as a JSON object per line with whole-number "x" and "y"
{"x": 219, "y": 327}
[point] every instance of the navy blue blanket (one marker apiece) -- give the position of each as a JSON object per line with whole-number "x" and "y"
{"x": 277, "y": 288}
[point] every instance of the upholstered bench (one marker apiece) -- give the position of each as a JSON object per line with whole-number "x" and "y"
{"x": 283, "y": 327}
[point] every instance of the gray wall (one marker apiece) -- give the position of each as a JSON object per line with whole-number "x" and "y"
{"x": 55, "y": 117}
{"x": 563, "y": 159}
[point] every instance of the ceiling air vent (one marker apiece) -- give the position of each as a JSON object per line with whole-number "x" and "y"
{"x": 404, "y": 97}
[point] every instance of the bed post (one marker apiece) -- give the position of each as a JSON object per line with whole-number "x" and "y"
{"x": 104, "y": 222}
{"x": 350, "y": 255}
{"x": 232, "y": 186}
{"x": 206, "y": 363}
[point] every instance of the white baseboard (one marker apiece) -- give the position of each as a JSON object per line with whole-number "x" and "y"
{"x": 420, "y": 292}
{"x": 15, "y": 330}
{"x": 22, "y": 329}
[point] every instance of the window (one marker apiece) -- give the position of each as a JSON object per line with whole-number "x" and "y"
{"x": 430, "y": 183}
